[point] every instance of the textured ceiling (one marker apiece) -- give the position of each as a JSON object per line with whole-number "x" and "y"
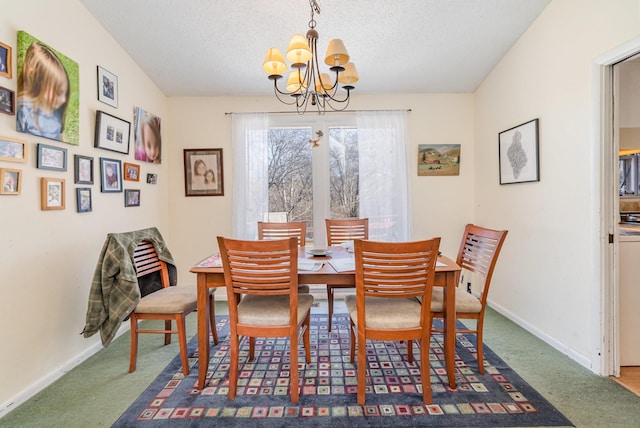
{"x": 216, "y": 47}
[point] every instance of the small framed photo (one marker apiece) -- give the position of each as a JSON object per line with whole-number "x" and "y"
{"x": 7, "y": 101}
{"x": 152, "y": 178}
{"x": 13, "y": 150}
{"x": 518, "y": 153}
{"x": 51, "y": 157}
{"x": 112, "y": 133}
{"x": 5, "y": 60}
{"x": 203, "y": 172}
{"x": 10, "y": 181}
{"x": 131, "y": 172}
{"x": 110, "y": 175}
{"x": 52, "y": 195}
{"x": 83, "y": 199}
{"x": 83, "y": 169}
{"x": 107, "y": 87}
{"x": 132, "y": 197}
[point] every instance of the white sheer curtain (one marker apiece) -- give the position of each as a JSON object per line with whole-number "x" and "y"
{"x": 250, "y": 138}
{"x": 384, "y": 184}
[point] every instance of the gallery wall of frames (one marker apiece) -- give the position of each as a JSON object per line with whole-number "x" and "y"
{"x": 45, "y": 126}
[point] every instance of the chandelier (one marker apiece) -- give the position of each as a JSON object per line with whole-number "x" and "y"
{"x": 306, "y": 84}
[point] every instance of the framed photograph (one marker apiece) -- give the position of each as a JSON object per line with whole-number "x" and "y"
{"x": 51, "y": 157}
{"x": 61, "y": 76}
{"x": 10, "y": 181}
{"x": 83, "y": 199}
{"x": 518, "y": 153}
{"x": 13, "y": 150}
{"x": 112, "y": 133}
{"x": 83, "y": 169}
{"x": 52, "y": 194}
{"x": 5, "y": 60}
{"x": 7, "y": 101}
{"x": 131, "y": 172}
{"x": 152, "y": 178}
{"x": 203, "y": 172}
{"x": 132, "y": 197}
{"x": 107, "y": 87}
{"x": 147, "y": 136}
{"x": 110, "y": 175}
{"x": 438, "y": 159}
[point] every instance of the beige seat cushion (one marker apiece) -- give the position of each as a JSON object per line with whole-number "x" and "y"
{"x": 465, "y": 302}
{"x": 271, "y": 310}
{"x": 168, "y": 300}
{"x": 303, "y": 289}
{"x": 386, "y": 313}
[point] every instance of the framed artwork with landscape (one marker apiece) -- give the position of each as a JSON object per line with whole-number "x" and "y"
{"x": 112, "y": 133}
{"x": 203, "y": 175}
{"x": 518, "y": 153}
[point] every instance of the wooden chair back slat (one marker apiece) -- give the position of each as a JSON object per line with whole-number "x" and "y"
{"x": 349, "y": 229}
{"x": 271, "y": 230}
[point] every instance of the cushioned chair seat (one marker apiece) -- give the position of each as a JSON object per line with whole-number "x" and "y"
{"x": 271, "y": 310}
{"x": 386, "y": 314}
{"x": 465, "y": 302}
{"x": 168, "y": 300}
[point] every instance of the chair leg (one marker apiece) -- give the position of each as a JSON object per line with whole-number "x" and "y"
{"x": 233, "y": 367}
{"x": 362, "y": 368}
{"x": 182, "y": 339}
{"x": 330, "y": 304}
{"x": 424, "y": 370}
{"x": 293, "y": 358}
{"x": 305, "y": 339}
{"x": 167, "y": 336}
{"x": 212, "y": 318}
{"x": 480, "y": 346}
{"x": 353, "y": 340}
{"x": 134, "y": 343}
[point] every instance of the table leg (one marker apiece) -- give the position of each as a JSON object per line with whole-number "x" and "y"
{"x": 450, "y": 326}
{"x": 203, "y": 329}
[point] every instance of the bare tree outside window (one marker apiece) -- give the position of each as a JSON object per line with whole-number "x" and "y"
{"x": 343, "y": 167}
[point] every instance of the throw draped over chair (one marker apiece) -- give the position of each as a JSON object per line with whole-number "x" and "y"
{"x": 394, "y": 281}
{"x": 340, "y": 231}
{"x": 261, "y": 279}
{"x": 168, "y": 304}
{"x": 478, "y": 253}
{"x": 277, "y": 230}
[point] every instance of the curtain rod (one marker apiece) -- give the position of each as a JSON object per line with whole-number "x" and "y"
{"x": 292, "y": 112}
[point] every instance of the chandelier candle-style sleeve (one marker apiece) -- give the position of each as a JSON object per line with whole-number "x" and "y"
{"x": 305, "y": 83}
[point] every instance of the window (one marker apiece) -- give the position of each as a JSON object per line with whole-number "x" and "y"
{"x": 279, "y": 174}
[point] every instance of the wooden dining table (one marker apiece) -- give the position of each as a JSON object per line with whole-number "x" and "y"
{"x": 210, "y": 274}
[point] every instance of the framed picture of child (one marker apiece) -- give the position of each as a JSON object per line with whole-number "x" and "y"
{"x": 10, "y": 181}
{"x": 7, "y": 101}
{"x": 5, "y": 60}
{"x": 203, "y": 172}
{"x": 110, "y": 175}
{"x": 83, "y": 199}
{"x": 43, "y": 70}
{"x": 146, "y": 134}
{"x": 107, "y": 87}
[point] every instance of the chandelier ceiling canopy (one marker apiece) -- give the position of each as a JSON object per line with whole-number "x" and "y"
{"x": 306, "y": 86}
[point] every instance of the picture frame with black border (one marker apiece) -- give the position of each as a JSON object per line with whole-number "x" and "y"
{"x": 518, "y": 153}
{"x": 132, "y": 197}
{"x": 51, "y": 157}
{"x": 110, "y": 175}
{"x": 52, "y": 193}
{"x": 107, "y": 87}
{"x": 83, "y": 200}
{"x": 10, "y": 181}
{"x": 7, "y": 101}
{"x": 13, "y": 149}
{"x": 5, "y": 60}
{"x": 83, "y": 169}
{"x": 112, "y": 133}
{"x": 152, "y": 178}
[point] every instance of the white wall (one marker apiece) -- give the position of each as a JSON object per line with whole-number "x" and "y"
{"x": 47, "y": 258}
{"x": 548, "y": 274}
{"x": 441, "y": 205}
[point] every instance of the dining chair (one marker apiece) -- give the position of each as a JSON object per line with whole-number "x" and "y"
{"x": 170, "y": 303}
{"x": 394, "y": 282}
{"x": 478, "y": 254}
{"x": 261, "y": 279}
{"x": 280, "y": 230}
{"x": 340, "y": 231}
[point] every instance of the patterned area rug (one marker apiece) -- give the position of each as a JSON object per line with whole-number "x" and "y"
{"x": 329, "y": 384}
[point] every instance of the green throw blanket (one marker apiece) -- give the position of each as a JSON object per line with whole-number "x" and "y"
{"x": 114, "y": 290}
